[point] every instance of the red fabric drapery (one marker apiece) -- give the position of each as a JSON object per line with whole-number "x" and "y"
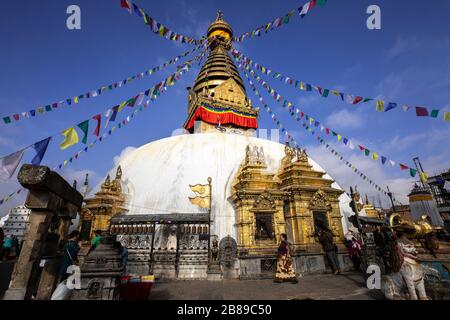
{"x": 223, "y": 118}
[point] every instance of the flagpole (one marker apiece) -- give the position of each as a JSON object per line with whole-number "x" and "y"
{"x": 209, "y": 221}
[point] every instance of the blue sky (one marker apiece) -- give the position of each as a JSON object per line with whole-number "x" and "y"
{"x": 407, "y": 61}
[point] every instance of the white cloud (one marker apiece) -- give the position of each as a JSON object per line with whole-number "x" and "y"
{"x": 404, "y": 44}
{"x": 345, "y": 119}
{"x": 125, "y": 152}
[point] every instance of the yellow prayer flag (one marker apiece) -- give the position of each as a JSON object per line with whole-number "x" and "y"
{"x": 121, "y": 106}
{"x": 70, "y": 138}
{"x": 201, "y": 189}
{"x": 380, "y": 105}
{"x": 75, "y": 99}
{"x": 339, "y": 137}
{"x": 302, "y": 86}
{"x": 374, "y": 155}
{"x": 202, "y": 202}
{"x": 447, "y": 116}
{"x": 311, "y": 120}
{"x": 65, "y": 162}
{"x": 424, "y": 177}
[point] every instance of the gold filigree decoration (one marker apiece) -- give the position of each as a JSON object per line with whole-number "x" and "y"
{"x": 264, "y": 202}
{"x": 319, "y": 201}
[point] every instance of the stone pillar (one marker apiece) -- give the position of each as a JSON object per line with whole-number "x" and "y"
{"x": 50, "y": 273}
{"x": 49, "y": 194}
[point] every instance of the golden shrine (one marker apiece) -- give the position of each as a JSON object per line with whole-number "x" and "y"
{"x": 293, "y": 201}
{"x": 97, "y": 211}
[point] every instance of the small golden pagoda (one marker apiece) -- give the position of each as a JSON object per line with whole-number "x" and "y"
{"x": 294, "y": 201}
{"x": 218, "y": 100}
{"x": 97, "y": 211}
{"x": 370, "y": 210}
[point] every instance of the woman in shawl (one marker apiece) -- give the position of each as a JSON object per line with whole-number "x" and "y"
{"x": 285, "y": 271}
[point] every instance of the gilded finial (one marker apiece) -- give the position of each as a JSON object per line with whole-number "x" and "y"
{"x": 107, "y": 180}
{"x": 119, "y": 173}
{"x": 219, "y": 15}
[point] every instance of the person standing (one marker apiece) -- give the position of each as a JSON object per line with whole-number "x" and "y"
{"x": 70, "y": 255}
{"x": 2, "y": 236}
{"x": 285, "y": 271}
{"x": 7, "y": 245}
{"x": 326, "y": 239}
{"x": 95, "y": 241}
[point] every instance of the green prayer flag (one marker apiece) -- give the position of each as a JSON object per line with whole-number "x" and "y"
{"x": 84, "y": 126}
{"x": 325, "y": 92}
{"x": 412, "y": 172}
{"x": 7, "y": 120}
{"x": 321, "y": 2}
{"x": 434, "y": 113}
{"x": 48, "y": 108}
{"x": 367, "y": 152}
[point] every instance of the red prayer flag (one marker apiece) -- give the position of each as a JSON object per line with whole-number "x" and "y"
{"x": 124, "y": 4}
{"x": 403, "y": 167}
{"x": 328, "y": 130}
{"x": 358, "y": 99}
{"x": 97, "y": 129}
{"x": 16, "y": 117}
{"x": 362, "y": 148}
{"x": 312, "y": 4}
{"x": 422, "y": 112}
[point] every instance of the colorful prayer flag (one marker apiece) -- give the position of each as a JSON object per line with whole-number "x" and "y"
{"x": 421, "y": 112}
{"x": 380, "y": 105}
{"x": 70, "y": 138}
{"x": 447, "y": 116}
{"x": 84, "y": 126}
{"x": 40, "y": 148}
{"x": 9, "y": 164}
{"x": 97, "y": 117}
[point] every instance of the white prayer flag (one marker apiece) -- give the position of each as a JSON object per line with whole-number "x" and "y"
{"x": 9, "y": 164}
{"x": 447, "y": 185}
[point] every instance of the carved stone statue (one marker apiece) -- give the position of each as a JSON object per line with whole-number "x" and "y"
{"x": 261, "y": 156}
{"x": 407, "y": 279}
{"x": 215, "y": 251}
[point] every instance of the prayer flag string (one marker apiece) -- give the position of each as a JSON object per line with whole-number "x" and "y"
{"x": 156, "y": 27}
{"x": 316, "y": 123}
{"x": 380, "y": 105}
{"x": 334, "y": 152}
{"x": 278, "y": 22}
{"x": 92, "y": 93}
{"x": 120, "y": 125}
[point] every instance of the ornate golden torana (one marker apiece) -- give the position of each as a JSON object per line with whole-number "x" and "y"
{"x": 290, "y": 201}
{"x": 108, "y": 202}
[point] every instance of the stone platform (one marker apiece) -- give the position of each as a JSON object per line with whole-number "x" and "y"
{"x": 347, "y": 286}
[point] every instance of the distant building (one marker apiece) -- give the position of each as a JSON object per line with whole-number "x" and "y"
{"x": 440, "y": 186}
{"x": 422, "y": 203}
{"x": 16, "y": 223}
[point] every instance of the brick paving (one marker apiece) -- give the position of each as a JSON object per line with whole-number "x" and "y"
{"x": 348, "y": 286}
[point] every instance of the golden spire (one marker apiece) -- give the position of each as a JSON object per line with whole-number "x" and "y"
{"x": 219, "y": 66}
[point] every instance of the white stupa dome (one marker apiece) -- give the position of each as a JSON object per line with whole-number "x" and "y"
{"x": 156, "y": 176}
